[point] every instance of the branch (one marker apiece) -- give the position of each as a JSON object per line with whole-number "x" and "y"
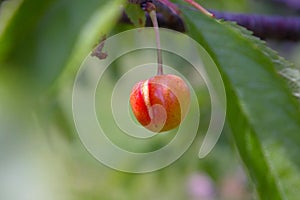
{"x": 266, "y": 27}
{"x": 173, "y": 22}
{"x": 263, "y": 26}
{"x": 293, "y": 4}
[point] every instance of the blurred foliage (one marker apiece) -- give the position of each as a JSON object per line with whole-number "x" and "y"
{"x": 42, "y": 44}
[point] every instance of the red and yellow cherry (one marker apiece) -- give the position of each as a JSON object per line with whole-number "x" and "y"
{"x": 161, "y": 102}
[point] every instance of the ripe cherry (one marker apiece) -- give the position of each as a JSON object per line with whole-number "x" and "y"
{"x": 161, "y": 102}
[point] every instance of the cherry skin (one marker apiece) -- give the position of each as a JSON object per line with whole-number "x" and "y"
{"x": 161, "y": 102}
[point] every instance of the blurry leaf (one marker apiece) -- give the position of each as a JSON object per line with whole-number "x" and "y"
{"x": 136, "y": 14}
{"x": 39, "y": 41}
{"x": 7, "y": 11}
{"x": 44, "y": 37}
{"x": 264, "y": 116}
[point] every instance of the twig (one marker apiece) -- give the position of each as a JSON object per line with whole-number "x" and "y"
{"x": 263, "y": 26}
{"x": 293, "y": 4}
{"x": 266, "y": 27}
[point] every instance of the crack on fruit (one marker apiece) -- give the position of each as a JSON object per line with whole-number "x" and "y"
{"x": 146, "y": 98}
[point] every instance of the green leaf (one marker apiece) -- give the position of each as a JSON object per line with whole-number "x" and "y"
{"x": 292, "y": 76}
{"x": 136, "y": 14}
{"x": 263, "y": 114}
{"x": 44, "y": 38}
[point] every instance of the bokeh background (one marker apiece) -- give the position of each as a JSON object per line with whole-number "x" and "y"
{"x": 42, "y": 44}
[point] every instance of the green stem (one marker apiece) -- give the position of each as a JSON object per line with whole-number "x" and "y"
{"x": 152, "y": 14}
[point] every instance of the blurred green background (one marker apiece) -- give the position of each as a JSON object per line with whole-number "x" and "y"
{"x": 42, "y": 44}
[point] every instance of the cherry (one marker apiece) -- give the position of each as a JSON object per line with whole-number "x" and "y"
{"x": 161, "y": 102}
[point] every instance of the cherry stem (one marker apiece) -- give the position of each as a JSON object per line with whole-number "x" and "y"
{"x": 199, "y": 7}
{"x": 151, "y": 9}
